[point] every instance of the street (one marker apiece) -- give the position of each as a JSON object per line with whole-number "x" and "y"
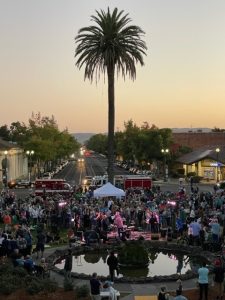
{"x": 96, "y": 164}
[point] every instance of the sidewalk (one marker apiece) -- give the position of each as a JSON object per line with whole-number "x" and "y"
{"x": 175, "y": 181}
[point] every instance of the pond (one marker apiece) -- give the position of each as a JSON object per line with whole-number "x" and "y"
{"x": 160, "y": 264}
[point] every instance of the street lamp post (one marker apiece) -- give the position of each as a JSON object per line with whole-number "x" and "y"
{"x": 29, "y": 154}
{"x": 165, "y": 152}
{"x": 217, "y": 164}
{"x": 6, "y": 168}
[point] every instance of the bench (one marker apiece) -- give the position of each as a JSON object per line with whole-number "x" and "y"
{"x": 106, "y": 294}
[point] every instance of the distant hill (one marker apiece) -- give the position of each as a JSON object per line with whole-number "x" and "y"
{"x": 82, "y": 137}
{"x": 183, "y": 130}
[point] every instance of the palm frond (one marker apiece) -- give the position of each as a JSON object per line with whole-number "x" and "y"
{"x": 110, "y": 42}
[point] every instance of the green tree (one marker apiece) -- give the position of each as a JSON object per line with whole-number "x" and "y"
{"x": 130, "y": 141}
{"x": 5, "y": 133}
{"x": 43, "y": 137}
{"x": 217, "y": 129}
{"x": 98, "y": 143}
{"x": 18, "y": 132}
{"x": 110, "y": 46}
{"x": 49, "y": 144}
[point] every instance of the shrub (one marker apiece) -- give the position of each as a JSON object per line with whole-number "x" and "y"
{"x": 5, "y": 269}
{"x": 19, "y": 272}
{"x": 50, "y": 285}
{"x": 181, "y": 171}
{"x": 191, "y": 174}
{"x": 35, "y": 287}
{"x": 133, "y": 254}
{"x": 174, "y": 174}
{"x": 11, "y": 280}
{"x": 7, "y": 287}
{"x": 68, "y": 285}
{"x": 222, "y": 185}
{"x": 17, "y": 281}
{"x": 39, "y": 284}
{"x": 82, "y": 291}
{"x": 197, "y": 179}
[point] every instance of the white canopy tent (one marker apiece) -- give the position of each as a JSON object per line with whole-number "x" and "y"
{"x": 108, "y": 190}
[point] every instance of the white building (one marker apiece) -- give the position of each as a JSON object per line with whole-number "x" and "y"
{"x": 13, "y": 161}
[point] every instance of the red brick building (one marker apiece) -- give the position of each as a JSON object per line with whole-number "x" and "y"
{"x": 196, "y": 140}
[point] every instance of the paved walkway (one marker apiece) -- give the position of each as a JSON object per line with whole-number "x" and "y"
{"x": 134, "y": 289}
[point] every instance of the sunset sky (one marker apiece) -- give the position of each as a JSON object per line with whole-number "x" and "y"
{"x": 182, "y": 83}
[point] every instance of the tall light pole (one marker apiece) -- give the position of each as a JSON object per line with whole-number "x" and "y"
{"x": 165, "y": 152}
{"x": 217, "y": 164}
{"x": 6, "y": 168}
{"x": 29, "y": 154}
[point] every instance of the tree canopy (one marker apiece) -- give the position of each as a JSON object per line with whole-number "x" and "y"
{"x": 42, "y": 136}
{"x": 136, "y": 144}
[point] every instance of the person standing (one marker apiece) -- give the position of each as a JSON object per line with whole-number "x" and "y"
{"x": 215, "y": 229}
{"x": 181, "y": 180}
{"x": 95, "y": 287}
{"x": 203, "y": 280}
{"x": 40, "y": 246}
{"x": 118, "y": 221}
{"x": 195, "y": 229}
{"x": 163, "y": 295}
{"x": 219, "y": 278}
{"x": 191, "y": 182}
{"x": 112, "y": 262}
{"x": 21, "y": 245}
{"x": 68, "y": 265}
{"x": 7, "y": 220}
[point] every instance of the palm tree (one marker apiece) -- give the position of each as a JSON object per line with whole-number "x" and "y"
{"x": 110, "y": 46}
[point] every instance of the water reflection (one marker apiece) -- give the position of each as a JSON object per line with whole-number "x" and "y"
{"x": 153, "y": 256}
{"x": 92, "y": 258}
{"x": 160, "y": 264}
{"x": 180, "y": 263}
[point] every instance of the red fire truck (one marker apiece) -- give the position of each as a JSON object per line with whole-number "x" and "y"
{"x": 124, "y": 181}
{"x": 134, "y": 181}
{"x": 52, "y": 186}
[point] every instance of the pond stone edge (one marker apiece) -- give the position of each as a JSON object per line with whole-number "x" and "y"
{"x": 150, "y": 245}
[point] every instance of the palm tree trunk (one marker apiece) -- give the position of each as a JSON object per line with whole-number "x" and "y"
{"x": 111, "y": 123}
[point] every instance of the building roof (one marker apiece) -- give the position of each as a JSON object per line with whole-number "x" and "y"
{"x": 191, "y": 130}
{"x": 200, "y": 154}
{"x": 5, "y": 145}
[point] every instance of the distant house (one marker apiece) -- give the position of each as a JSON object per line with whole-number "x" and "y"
{"x": 207, "y": 162}
{"x": 13, "y": 162}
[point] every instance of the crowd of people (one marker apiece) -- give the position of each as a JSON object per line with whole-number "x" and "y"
{"x": 30, "y": 223}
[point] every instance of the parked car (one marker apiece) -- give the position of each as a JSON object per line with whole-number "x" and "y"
{"x": 21, "y": 183}
{"x": 47, "y": 175}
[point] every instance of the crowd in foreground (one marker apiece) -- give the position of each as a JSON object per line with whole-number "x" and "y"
{"x": 197, "y": 218}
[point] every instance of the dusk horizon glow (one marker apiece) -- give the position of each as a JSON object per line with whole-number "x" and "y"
{"x": 181, "y": 84}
